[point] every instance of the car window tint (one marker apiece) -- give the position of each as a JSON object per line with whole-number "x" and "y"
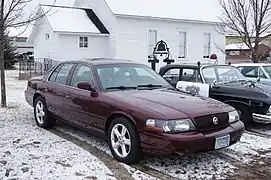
{"x": 128, "y": 75}
{"x": 190, "y": 75}
{"x": 63, "y": 74}
{"x": 172, "y": 75}
{"x": 82, "y": 73}
{"x": 252, "y": 71}
{"x": 52, "y": 77}
{"x": 106, "y": 75}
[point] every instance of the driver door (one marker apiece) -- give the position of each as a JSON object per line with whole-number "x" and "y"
{"x": 82, "y": 108}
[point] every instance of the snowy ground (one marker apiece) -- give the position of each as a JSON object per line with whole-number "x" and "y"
{"x": 29, "y": 151}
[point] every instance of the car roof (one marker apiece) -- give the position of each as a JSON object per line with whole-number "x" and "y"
{"x": 102, "y": 61}
{"x": 251, "y": 64}
{"x": 180, "y": 65}
{"x": 192, "y": 66}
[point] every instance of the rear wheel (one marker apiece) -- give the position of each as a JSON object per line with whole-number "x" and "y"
{"x": 42, "y": 116}
{"x": 124, "y": 141}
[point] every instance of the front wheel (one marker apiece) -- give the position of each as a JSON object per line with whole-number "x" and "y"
{"x": 245, "y": 114}
{"x": 124, "y": 141}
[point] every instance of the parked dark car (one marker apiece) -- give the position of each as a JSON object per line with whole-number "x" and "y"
{"x": 252, "y": 100}
{"x": 133, "y": 107}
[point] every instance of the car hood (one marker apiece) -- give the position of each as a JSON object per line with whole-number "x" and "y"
{"x": 245, "y": 89}
{"x": 171, "y": 104}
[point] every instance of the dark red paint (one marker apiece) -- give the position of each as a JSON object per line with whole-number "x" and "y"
{"x": 93, "y": 110}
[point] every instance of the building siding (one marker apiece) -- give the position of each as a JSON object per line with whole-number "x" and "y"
{"x": 45, "y": 48}
{"x": 69, "y": 47}
{"x": 133, "y": 42}
{"x": 103, "y": 12}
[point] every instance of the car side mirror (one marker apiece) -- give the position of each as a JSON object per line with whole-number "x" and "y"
{"x": 87, "y": 86}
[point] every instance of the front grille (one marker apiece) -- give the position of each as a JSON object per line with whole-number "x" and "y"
{"x": 205, "y": 123}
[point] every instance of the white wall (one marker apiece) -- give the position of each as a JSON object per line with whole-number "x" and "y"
{"x": 132, "y": 39}
{"x": 68, "y": 48}
{"x": 106, "y": 16}
{"x": 44, "y": 48}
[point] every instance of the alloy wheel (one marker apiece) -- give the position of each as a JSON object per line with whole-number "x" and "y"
{"x": 121, "y": 140}
{"x": 40, "y": 113}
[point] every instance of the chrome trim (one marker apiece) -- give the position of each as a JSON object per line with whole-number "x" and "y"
{"x": 261, "y": 118}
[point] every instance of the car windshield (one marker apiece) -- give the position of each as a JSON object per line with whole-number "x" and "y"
{"x": 268, "y": 70}
{"x": 129, "y": 76}
{"x": 221, "y": 74}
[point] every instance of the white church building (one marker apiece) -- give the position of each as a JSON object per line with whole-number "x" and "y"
{"x": 128, "y": 29}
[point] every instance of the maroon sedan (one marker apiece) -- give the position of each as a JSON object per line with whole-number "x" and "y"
{"x": 133, "y": 107}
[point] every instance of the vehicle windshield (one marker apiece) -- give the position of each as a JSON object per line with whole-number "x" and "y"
{"x": 221, "y": 74}
{"x": 129, "y": 76}
{"x": 268, "y": 70}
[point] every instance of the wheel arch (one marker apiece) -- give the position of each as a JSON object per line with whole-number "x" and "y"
{"x": 233, "y": 102}
{"x": 115, "y": 115}
{"x": 37, "y": 94}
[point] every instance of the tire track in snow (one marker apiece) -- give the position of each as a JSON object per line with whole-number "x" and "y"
{"x": 258, "y": 133}
{"x": 117, "y": 169}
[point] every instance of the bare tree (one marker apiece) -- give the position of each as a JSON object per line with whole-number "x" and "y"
{"x": 13, "y": 15}
{"x": 248, "y": 19}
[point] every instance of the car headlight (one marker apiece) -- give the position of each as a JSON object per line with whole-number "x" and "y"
{"x": 171, "y": 126}
{"x": 233, "y": 116}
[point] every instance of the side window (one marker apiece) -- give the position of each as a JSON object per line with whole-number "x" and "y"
{"x": 209, "y": 75}
{"x": 52, "y": 77}
{"x": 63, "y": 73}
{"x": 82, "y": 73}
{"x": 172, "y": 76}
{"x": 190, "y": 75}
{"x": 251, "y": 71}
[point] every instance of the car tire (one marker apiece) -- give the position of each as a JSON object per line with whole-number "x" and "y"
{"x": 42, "y": 116}
{"x": 245, "y": 114}
{"x": 119, "y": 142}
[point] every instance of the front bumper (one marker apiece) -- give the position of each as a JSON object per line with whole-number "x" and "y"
{"x": 262, "y": 118}
{"x": 189, "y": 142}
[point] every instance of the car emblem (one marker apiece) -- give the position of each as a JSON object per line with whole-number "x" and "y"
{"x": 215, "y": 120}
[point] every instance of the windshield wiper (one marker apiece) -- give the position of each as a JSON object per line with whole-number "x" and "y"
{"x": 121, "y": 87}
{"x": 150, "y": 86}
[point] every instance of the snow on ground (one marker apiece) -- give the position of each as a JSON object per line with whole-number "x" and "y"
{"x": 265, "y": 129}
{"x": 218, "y": 164}
{"x": 27, "y": 151}
{"x": 103, "y": 146}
